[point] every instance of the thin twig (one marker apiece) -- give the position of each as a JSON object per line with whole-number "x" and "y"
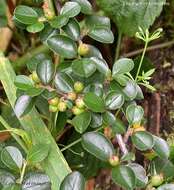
{"x": 121, "y": 144}
{"x": 154, "y": 47}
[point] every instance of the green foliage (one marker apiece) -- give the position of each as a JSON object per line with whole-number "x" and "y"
{"x": 132, "y": 13}
{"x": 3, "y": 17}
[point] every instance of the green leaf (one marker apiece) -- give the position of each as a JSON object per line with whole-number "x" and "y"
{"x": 140, "y": 174}
{"x": 97, "y": 21}
{"x": 38, "y": 153}
{"x": 130, "y": 90}
{"x": 36, "y": 27}
{"x": 83, "y": 67}
{"x": 101, "y": 65}
{"x": 73, "y": 181}
{"x": 3, "y": 15}
{"x": 6, "y": 178}
{"x": 128, "y": 16}
{"x": 64, "y": 82}
{"x": 166, "y": 187}
{"x": 12, "y": 158}
{"x": 124, "y": 176}
{"x": 161, "y": 147}
{"x": 96, "y": 88}
{"x": 45, "y": 71}
{"x": 96, "y": 120}
{"x": 70, "y": 9}
{"x": 12, "y": 187}
{"x": 81, "y": 122}
{"x": 34, "y": 91}
{"x": 93, "y": 102}
{"x": 59, "y": 21}
{"x": 25, "y": 14}
{"x": 122, "y": 79}
{"x": 134, "y": 114}
{"x": 101, "y": 34}
{"x": 23, "y": 105}
{"x": 55, "y": 165}
{"x": 114, "y": 100}
{"x": 85, "y": 5}
{"x": 116, "y": 124}
{"x": 122, "y": 66}
{"x": 98, "y": 145}
{"x": 23, "y": 82}
{"x": 63, "y": 45}
{"x": 142, "y": 140}
{"x": 38, "y": 181}
{"x": 72, "y": 29}
{"x": 93, "y": 52}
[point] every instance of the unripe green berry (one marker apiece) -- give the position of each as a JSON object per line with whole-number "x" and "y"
{"x": 34, "y": 77}
{"x": 83, "y": 49}
{"x": 77, "y": 111}
{"x": 53, "y": 108}
{"x": 80, "y": 103}
{"x": 72, "y": 96}
{"x": 62, "y": 106}
{"x": 114, "y": 160}
{"x": 157, "y": 180}
{"x": 54, "y": 101}
{"x": 78, "y": 86}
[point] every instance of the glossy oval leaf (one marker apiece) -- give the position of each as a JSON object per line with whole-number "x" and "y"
{"x": 6, "y": 178}
{"x": 142, "y": 140}
{"x": 134, "y": 114}
{"x": 73, "y": 181}
{"x": 25, "y": 14}
{"x": 114, "y": 100}
{"x": 64, "y": 82}
{"x": 23, "y": 105}
{"x": 45, "y": 71}
{"x": 81, "y": 122}
{"x": 122, "y": 66}
{"x": 63, "y": 45}
{"x": 72, "y": 29}
{"x": 36, "y": 181}
{"x": 23, "y": 82}
{"x": 38, "y": 153}
{"x": 124, "y": 176}
{"x": 36, "y": 27}
{"x": 161, "y": 147}
{"x": 98, "y": 145}
{"x": 130, "y": 90}
{"x": 85, "y": 5}
{"x": 101, "y": 34}
{"x": 96, "y": 120}
{"x": 116, "y": 124}
{"x": 70, "y": 9}
{"x": 140, "y": 174}
{"x": 94, "y": 102}
{"x": 96, "y": 88}
{"x": 166, "y": 187}
{"x": 59, "y": 21}
{"x": 101, "y": 65}
{"x": 12, "y": 158}
{"x": 83, "y": 67}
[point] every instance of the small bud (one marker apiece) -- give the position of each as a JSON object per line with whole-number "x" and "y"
{"x": 78, "y": 86}
{"x": 150, "y": 155}
{"x": 114, "y": 161}
{"x": 108, "y": 132}
{"x": 72, "y": 96}
{"x": 80, "y": 103}
{"x": 141, "y": 128}
{"x": 157, "y": 180}
{"x": 54, "y": 101}
{"x": 77, "y": 111}
{"x": 53, "y": 108}
{"x": 34, "y": 77}
{"x": 83, "y": 49}
{"x": 62, "y": 106}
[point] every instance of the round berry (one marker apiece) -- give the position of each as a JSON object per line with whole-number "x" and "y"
{"x": 83, "y": 49}
{"x": 157, "y": 180}
{"x": 62, "y": 106}
{"x": 77, "y": 111}
{"x": 72, "y": 96}
{"x": 54, "y": 101}
{"x": 114, "y": 160}
{"x": 78, "y": 86}
{"x": 53, "y": 108}
{"x": 34, "y": 77}
{"x": 80, "y": 103}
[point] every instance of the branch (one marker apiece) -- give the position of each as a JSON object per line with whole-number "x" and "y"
{"x": 121, "y": 144}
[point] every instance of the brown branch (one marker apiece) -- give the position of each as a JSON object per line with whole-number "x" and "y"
{"x": 154, "y": 47}
{"x": 121, "y": 144}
